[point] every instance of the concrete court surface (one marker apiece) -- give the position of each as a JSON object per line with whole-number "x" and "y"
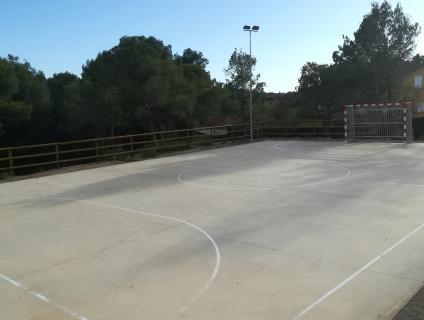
{"x": 285, "y": 229}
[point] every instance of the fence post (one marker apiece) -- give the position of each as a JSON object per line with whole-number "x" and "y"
{"x": 97, "y": 149}
{"x": 10, "y": 156}
{"x": 56, "y": 150}
{"x": 132, "y": 146}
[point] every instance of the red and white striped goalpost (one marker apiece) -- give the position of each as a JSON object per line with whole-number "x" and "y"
{"x": 405, "y": 126}
{"x": 345, "y": 124}
{"x": 391, "y": 122}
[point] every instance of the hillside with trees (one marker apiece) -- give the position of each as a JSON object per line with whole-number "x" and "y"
{"x": 141, "y": 85}
{"x": 137, "y": 86}
{"x": 367, "y": 68}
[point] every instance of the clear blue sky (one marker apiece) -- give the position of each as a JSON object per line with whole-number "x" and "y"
{"x": 56, "y": 36}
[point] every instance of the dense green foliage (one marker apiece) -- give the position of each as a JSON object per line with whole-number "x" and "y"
{"x": 24, "y": 100}
{"x": 137, "y": 86}
{"x": 365, "y": 69}
{"x": 238, "y": 73}
{"x": 140, "y": 85}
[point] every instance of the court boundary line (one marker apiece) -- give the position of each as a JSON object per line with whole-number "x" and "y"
{"x": 42, "y": 297}
{"x": 306, "y": 257}
{"x": 67, "y": 311}
{"x": 336, "y": 288}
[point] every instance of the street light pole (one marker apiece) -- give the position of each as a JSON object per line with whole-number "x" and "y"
{"x": 253, "y": 29}
{"x": 250, "y": 85}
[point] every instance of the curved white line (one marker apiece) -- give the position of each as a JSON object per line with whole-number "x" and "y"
{"x": 181, "y": 221}
{"x": 215, "y": 246}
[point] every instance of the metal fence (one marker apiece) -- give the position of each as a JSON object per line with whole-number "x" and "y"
{"x": 35, "y": 158}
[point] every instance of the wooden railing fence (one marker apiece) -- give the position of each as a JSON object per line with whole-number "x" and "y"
{"x": 34, "y": 158}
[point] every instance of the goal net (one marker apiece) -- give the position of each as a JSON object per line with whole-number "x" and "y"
{"x": 378, "y": 122}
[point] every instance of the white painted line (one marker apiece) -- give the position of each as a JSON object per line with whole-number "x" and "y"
{"x": 11, "y": 281}
{"x": 191, "y": 225}
{"x": 181, "y": 221}
{"x": 42, "y": 297}
{"x": 355, "y": 274}
{"x": 347, "y": 174}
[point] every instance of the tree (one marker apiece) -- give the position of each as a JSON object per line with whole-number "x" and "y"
{"x": 313, "y": 87}
{"x": 192, "y": 57}
{"x": 139, "y": 85}
{"x": 24, "y": 101}
{"x": 65, "y": 101}
{"x": 385, "y": 38}
{"x": 238, "y": 78}
{"x": 192, "y": 83}
{"x": 367, "y": 68}
{"x": 127, "y": 82}
{"x": 216, "y": 105}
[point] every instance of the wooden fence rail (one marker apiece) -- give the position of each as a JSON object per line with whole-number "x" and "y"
{"x": 34, "y": 158}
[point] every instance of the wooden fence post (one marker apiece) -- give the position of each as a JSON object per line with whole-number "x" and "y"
{"x": 97, "y": 149}
{"x": 132, "y": 146}
{"x": 10, "y": 156}
{"x": 56, "y": 150}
